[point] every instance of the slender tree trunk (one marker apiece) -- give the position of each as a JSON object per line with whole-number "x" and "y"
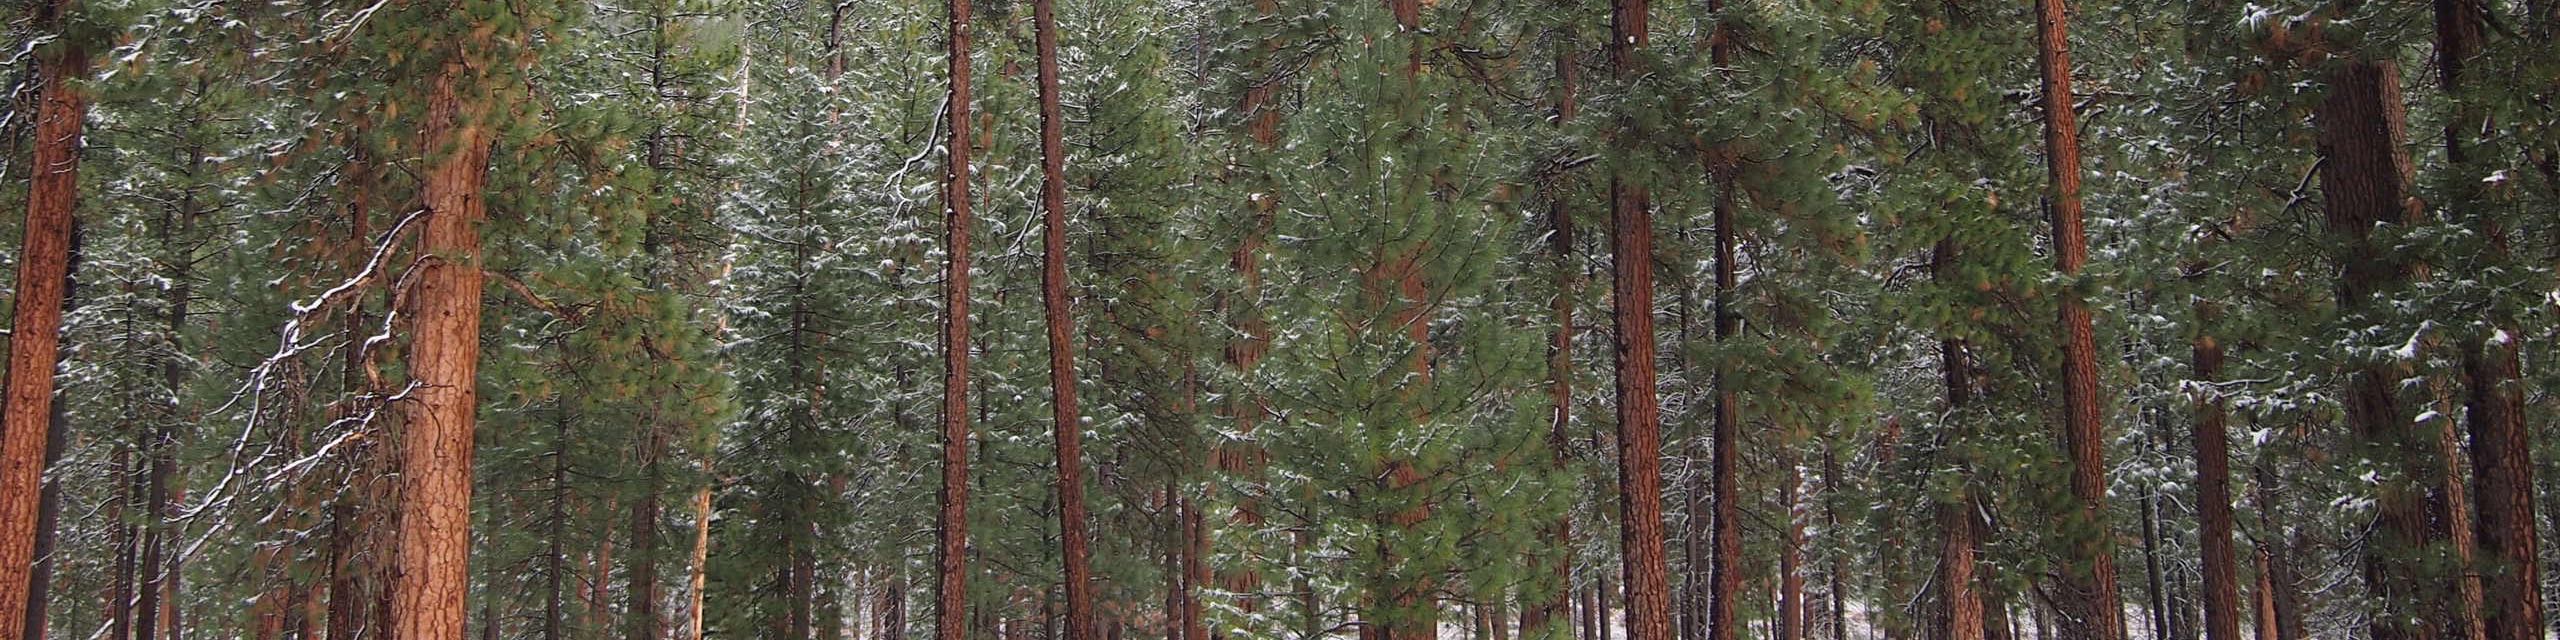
{"x": 1960, "y": 614}
{"x": 127, "y": 540}
{"x": 2089, "y": 579}
{"x": 1639, "y": 414}
{"x": 2284, "y": 601}
{"x": 1244, "y": 457}
{"x": 1838, "y": 588}
{"x": 154, "y": 510}
{"x": 1605, "y": 615}
{"x": 2365, "y": 176}
{"x": 2450, "y": 520}
{"x": 1791, "y": 612}
{"x": 1069, "y": 428}
{"x": 1726, "y": 587}
{"x": 2156, "y": 624}
{"x": 893, "y": 607}
{"x": 348, "y": 535}
{"x": 695, "y": 615}
{"x": 642, "y": 574}
{"x": 2265, "y": 601}
{"x": 1890, "y": 616}
{"x": 2213, "y": 485}
{"x": 951, "y": 551}
{"x": 556, "y": 572}
{"x": 1555, "y": 608}
{"x": 35, "y": 340}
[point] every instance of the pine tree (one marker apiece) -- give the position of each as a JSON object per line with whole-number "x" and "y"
{"x": 43, "y": 266}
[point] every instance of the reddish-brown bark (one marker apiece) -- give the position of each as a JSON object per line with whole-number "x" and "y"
{"x": 49, "y": 505}
{"x": 2365, "y": 180}
{"x": 951, "y": 556}
{"x": 433, "y": 574}
{"x": 2213, "y": 487}
{"x": 1647, "y": 572}
{"x": 1067, "y": 422}
{"x": 2091, "y": 606}
{"x": 1960, "y": 615}
{"x": 35, "y": 339}
{"x": 2501, "y": 451}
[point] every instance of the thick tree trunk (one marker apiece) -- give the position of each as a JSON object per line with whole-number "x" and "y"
{"x": 1639, "y": 414}
{"x": 435, "y": 471}
{"x": 951, "y": 549}
{"x": 1961, "y": 600}
{"x": 2213, "y": 486}
{"x": 56, "y": 439}
{"x": 2365, "y": 176}
{"x": 1067, "y": 421}
{"x": 2501, "y": 447}
{"x": 2093, "y": 610}
{"x": 36, "y": 329}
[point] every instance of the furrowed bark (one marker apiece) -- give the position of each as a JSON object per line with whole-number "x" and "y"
{"x": 44, "y": 260}
{"x": 1647, "y": 569}
{"x": 1067, "y": 426}
{"x": 2093, "y": 609}
{"x": 951, "y": 549}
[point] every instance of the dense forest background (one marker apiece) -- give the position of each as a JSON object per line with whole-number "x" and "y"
{"x": 1189, "y": 319}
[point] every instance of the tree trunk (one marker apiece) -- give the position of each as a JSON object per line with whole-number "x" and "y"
{"x": 2089, "y": 577}
{"x": 1891, "y": 619}
{"x": 1837, "y": 590}
{"x": 951, "y": 550}
{"x": 1726, "y": 588}
{"x": 1959, "y": 616}
{"x": 556, "y": 572}
{"x": 1556, "y": 607}
{"x": 56, "y": 440}
{"x": 2213, "y": 485}
{"x": 2283, "y": 602}
{"x": 700, "y": 579}
{"x": 2501, "y": 446}
{"x": 2156, "y": 624}
{"x": 1639, "y": 414}
{"x": 1068, "y": 424}
{"x": 2364, "y": 177}
{"x": 127, "y": 540}
{"x": 435, "y": 471}
{"x": 348, "y": 534}
{"x": 642, "y": 576}
{"x": 35, "y": 340}
{"x": 1791, "y": 612}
